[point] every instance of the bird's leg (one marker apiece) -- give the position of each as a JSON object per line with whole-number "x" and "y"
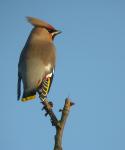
{"x": 48, "y": 108}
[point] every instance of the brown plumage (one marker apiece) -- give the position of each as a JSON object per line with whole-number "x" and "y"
{"x": 38, "y": 23}
{"x": 37, "y": 58}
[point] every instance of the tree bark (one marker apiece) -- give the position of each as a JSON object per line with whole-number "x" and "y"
{"x": 60, "y": 129}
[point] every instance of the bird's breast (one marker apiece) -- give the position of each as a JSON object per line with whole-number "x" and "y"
{"x": 48, "y": 67}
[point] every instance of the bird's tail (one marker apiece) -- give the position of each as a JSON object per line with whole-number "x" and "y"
{"x": 18, "y": 87}
{"x": 30, "y": 95}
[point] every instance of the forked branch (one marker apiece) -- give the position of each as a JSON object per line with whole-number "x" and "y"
{"x": 59, "y": 124}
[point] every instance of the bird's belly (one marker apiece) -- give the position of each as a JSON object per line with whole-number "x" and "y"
{"x": 34, "y": 73}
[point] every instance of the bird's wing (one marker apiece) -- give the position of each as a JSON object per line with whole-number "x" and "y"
{"x": 45, "y": 85}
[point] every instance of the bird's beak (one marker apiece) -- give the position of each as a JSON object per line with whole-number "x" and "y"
{"x": 54, "y": 33}
{"x": 57, "y": 32}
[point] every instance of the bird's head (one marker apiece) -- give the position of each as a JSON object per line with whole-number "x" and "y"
{"x": 43, "y": 29}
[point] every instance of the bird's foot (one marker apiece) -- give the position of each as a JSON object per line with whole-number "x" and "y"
{"x": 47, "y": 106}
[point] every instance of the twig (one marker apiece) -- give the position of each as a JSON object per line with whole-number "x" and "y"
{"x": 59, "y": 125}
{"x": 48, "y": 108}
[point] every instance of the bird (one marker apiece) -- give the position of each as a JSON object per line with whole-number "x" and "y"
{"x": 37, "y": 61}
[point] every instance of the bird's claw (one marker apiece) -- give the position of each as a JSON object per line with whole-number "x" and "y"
{"x": 46, "y": 114}
{"x": 51, "y": 104}
{"x": 60, "y": 110}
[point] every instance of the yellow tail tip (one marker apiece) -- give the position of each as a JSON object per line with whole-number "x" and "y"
{"x": 28, "y": 98}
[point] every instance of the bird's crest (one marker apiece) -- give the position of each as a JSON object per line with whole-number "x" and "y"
{"x": 36, "y": 22}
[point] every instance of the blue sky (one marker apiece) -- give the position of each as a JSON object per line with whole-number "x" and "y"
{"x": 90, "y": 70}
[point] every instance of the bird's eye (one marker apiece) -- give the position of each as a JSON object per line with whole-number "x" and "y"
{"x": 50, "y": 31}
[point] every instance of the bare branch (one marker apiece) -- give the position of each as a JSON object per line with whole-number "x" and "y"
{"x": 48, "y": 108}
{"x": 59, "y": 124}
{"x": 59, "y": 131}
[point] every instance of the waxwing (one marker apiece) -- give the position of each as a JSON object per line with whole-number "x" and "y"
{"x": 37, "y": 60}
